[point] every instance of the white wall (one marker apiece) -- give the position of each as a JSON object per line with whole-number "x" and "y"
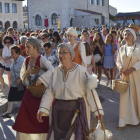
{"x": 112, "y": 10}
{"x": 11, "y": 17}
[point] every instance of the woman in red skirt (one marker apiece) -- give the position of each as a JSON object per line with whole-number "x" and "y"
{"x": 26, "y": 124}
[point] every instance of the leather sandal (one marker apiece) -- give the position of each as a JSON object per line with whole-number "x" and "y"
{"x": 3, "y": 90}
{"x": 119, "y": 128}
{"x": 7, "y": 115}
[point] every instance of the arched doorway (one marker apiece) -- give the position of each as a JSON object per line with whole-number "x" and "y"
{"x": 7, "y": 24}
{"x": 14, "y": 24}
{"x": 1, "y": 25}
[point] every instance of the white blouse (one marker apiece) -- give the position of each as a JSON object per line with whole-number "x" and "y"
{"x": 137, "y": 64}
{"x": 82, "y": 52}
{"x": 6, "y": 52}
{"x": 71, "y": 88}
{"x": 44, "y": 63}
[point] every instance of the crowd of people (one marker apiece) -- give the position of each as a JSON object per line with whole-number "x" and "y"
{"x": 67, "y": 55}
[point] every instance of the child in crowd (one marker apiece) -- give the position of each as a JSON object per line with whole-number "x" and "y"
{"x": 98, "y": 48}
{"x": 90, "y": 58}
{"x": 109, "y": 50}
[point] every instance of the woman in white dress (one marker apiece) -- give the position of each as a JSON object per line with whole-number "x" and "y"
{"x": 79, "y": 48}
{"x": 129, "y": 101}
{"x": 68, "y": 87}
{"x": 5, "y": 61}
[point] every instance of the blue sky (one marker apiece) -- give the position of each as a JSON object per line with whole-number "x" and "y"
{"x": 126, "y": 5}
{"x": 122, "y": 5}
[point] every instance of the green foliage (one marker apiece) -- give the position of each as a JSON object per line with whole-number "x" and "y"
{"x": 111, "y": 17}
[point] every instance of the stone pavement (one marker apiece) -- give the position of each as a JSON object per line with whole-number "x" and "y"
{"x": 4, "y": 95}
{"x": 110, "y": 103}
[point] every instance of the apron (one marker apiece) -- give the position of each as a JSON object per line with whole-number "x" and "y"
{"x": 26, "y": 120}
{"x": 77, "y": 59}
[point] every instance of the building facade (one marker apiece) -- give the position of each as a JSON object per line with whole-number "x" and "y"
{"x": 86, "y": 13}
{"x": 25, "y": 17}
{"x": 128, "y": 17}
{"x": 11, "y": 14}
{"x": 112, "y": 10}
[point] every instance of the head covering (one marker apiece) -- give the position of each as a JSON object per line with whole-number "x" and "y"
{"x": 132, "y": 25}
{"x": 72, "y": 31}
{"x": 44, "y": 31}
{"x": 23, "y": 38}
{"x": 68, "y": 47}
{"x": 34, "y": 41}
{"x": 10, "y": 28}
{"x": 132, "y": 32}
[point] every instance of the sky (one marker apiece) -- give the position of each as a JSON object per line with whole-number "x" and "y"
{"x": 126, "y": 5}
{"x": 121, "y": 5}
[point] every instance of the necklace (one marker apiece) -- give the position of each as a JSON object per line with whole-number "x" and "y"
{"x": 33, "y": 62}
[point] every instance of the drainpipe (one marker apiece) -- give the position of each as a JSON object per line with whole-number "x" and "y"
{"x": 108, "y": 13}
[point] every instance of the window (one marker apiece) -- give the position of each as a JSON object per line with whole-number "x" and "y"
{"x": 97, "y": 21}
{"x": 7, "y": 24}
{"x": 91, "y": 1}
{"x": 14, "y": 8}
{"x": 103, "y": 2}
{"x": 54, "y": 19}
{"x": 1, "y": 25}
{"x": 98, "y": 2}
{"x": 6, "y": 5}
{"x": 14, "y": 24}
{"x": 0, "y": 7}
{"x": 103, "y": 20}
{"x": 38, "y": 20}
{"x": 24, "y": 14}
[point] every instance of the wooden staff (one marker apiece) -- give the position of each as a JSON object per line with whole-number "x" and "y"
{"x": 97, "y": 109}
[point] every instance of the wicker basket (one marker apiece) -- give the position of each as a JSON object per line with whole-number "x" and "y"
{"x": 119, "y": 85}
{"x": 39, "y": 90}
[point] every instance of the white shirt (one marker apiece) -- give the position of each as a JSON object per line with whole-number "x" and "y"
{"x": 44, "y": 63}
{"x": 71, "y": 88}
{"x": 6, "y": 53}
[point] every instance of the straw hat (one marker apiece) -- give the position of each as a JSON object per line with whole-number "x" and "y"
{"x": 133, "y": 26}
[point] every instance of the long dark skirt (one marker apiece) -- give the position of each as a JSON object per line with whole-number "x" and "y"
{"x": 62, "y": 115}
{"x": 15, "y": 95}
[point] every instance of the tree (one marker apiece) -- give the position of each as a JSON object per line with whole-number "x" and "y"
{"x": 111, "y": 17}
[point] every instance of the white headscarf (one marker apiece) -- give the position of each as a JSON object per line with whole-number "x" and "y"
{"x": 69, "y": 48}
{"x": 72, "y": 31}
{"x": 132, "y": 32}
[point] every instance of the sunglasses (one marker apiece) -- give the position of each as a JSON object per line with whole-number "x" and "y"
{"x": 42, "y": 38}
{"x": 7, "y": 42}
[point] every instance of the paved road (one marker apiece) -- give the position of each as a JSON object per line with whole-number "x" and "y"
{"x": 110, "y": 103}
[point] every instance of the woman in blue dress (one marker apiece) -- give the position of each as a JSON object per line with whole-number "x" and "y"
{"x": 109, "y": 51}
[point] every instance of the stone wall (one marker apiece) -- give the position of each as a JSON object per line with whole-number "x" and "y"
{"x": 64, "y": 8}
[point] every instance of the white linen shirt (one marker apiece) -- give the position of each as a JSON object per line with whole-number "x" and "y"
{"x": 71, "y": 88}
{"x": 44, "y": 63}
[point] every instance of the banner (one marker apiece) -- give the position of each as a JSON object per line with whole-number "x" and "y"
{"x": 58, "y": 23}
{"x": 46, "y": 23}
